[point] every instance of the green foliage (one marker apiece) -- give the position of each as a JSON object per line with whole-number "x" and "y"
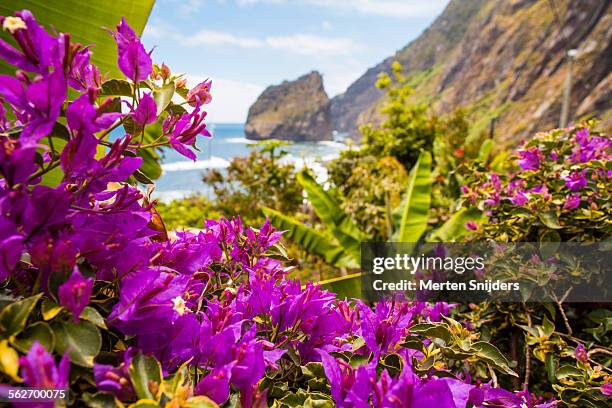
{"x": 186, "y": 212}
{"x": 366, "y": 186}
{"x": 545, "y": 215}
{"x": 261, "y": 179}
{"x": 87, "y": 21}
{"x": 338, "y": 223}
{"x": 146, "y": 377}
{"x": 413, "y": 213}
{"x": 315, "y": 242}
{"x": 408, "y": 128}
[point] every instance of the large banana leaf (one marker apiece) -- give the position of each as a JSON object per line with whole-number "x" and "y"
{"x": 412, "y": 214}
{"x": 345, "y": 287}
{"x": 86, "y": 21}
{"x": 312, "y": 240}
{"x": 327, "y": 208}
{"x": 454, "y": 228}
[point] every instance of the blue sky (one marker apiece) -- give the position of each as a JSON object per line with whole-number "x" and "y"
{"x": 246, "y": 45}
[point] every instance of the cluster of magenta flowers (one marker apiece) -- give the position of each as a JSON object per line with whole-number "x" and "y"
{"x": 216, "y": 300}
{"x": 564, "y": 172}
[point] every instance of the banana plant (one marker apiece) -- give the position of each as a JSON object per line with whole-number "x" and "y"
{"x": 87, "y": 21}
{"x": 340, "y": 242}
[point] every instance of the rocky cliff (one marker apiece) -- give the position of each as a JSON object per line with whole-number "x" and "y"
{"x": 294, "y": 110}
{"x": 502, "y": 59}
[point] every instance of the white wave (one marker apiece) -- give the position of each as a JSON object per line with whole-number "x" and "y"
{"x": 332, "y": 143}
{"x": 212, "y": 163}
{"x": 236, "y": 140}
{"x": 316, "y": 166}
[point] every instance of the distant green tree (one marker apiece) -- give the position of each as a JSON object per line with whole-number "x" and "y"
{"x": 407, "y": 129}
{"x": 186, "y": 212}
{"x": 260, "y": 179}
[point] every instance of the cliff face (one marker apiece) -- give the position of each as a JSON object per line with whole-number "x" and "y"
{"x": 298, "y": 110}
{"x": 429, "y": 49}
{"x": 504, "y": 59}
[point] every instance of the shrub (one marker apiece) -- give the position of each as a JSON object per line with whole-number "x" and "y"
{"x": 559, "y": 190}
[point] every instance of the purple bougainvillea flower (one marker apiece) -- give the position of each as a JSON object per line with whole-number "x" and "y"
{"x": 606, "y": 389}
{"x": 134, "y": 61}
{"x": 542, "y": 190}
{"x": 74, "y": 294}
{"x": 182, "y": 131}
{"x": 497, "y": 397}
{"x": 200, "y": 94}
{"x": 37, "y": 105}
{"x": 572, "y": 202}
{"x": 11, "y": 247}
{"x": 576, "y": 181}
{"x": 529, "y": 159}
{"x": 189, "y": 252}
{"x": 38, "y": 368}
{"x": 589, "y": 147}
{"x": 146, "y": 112}
{"x": 216, "y": 385}
{"x": 349, "y": 386}
{"x": 385, "y": 326}
{"x": 115, "y": 380}
{"x": 47, "y": 207}
{"x": 520, "y": 198}
{"x": 83, "y": 74}
{"x": 124, "y": 34}
{"x": 151, "y": 296}
{"x": 16, "y": 162}
{"x": 581, "y": 354}
{"x": 471, "y": 225}
{"x": 39, "y": 50}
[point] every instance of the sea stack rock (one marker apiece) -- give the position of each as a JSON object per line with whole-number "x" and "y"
{"x": 294, "y": 110}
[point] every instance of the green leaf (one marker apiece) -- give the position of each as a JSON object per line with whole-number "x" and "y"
{"x": 9, "y": 361}
{"x": 50, "y": 309}
{"x": 549, "y": 219}
{"x": 454, "y": 228}
{"x": 87, "y": 22}
{"x": 327, "y": 208}
{"x": 485, "y": 150}
{"x": 39, "y": 331}
{"x": 145, "y": 403}
{"x": 150, "y": 166}
{"x": 551, "y": 368}
{"x": 433, "y": 330}
{"x": 92, "y": 315}
{"x": 492, "y": 355}
{"x": 163, "y": 96}
{"x": 14, "y": 317}
{"x": 566, "y": 371}
{"x": 101, "y": 400}
{"x": 313, "y": 241}
{"x": 345, "y": 287}
{"x": 413, "y": 213}
{"x": 548, "y": 327}
{"x": 199, "y": 401}
{"x": 144, "y": 371}
{"x": 82, "y": 339}
{"x": 117, "y": 87}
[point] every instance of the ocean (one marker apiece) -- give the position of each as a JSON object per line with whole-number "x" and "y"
{"x": 182, "y": 177}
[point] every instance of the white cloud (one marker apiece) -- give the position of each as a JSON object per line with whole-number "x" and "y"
{"x": 302, "y": 44}
{"x": 231, "y": 99}
{"x": 312, "y": 44}
{"x": 211, "y": 37}
{"x": 388, "y": 8}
